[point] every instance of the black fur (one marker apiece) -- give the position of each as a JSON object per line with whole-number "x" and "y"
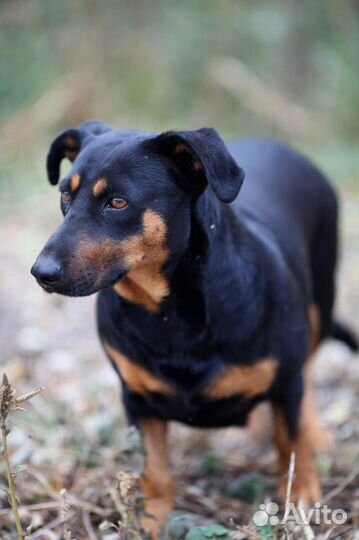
{"x": 242, "y": 275}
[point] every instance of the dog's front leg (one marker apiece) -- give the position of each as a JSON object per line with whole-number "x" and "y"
{"x": 157, "y": 482}
{"x": 292, "y": 435}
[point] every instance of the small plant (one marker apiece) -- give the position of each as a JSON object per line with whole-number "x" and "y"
{"x": 8, "y": 402}
{"x": 213, "y": 532}
{"x": 124, "y": 495}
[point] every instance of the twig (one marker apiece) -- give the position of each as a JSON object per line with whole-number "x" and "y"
{"x": 10, "y": 479}
{"x": 54, "y": 523}
{"x": 291, "y": 472}
{"x": 346, "y": 481}
{"x": 32, "y": 507}
{"x": 88, "y": 525}
{"x": 306, "y": 528}
{"x": 71, "y": 499}
{"x": 51, "y": 505}
{"x": 8, "y": 402}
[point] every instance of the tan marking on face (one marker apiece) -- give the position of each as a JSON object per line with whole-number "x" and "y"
{"x": 75, "y": 182}
{"x": 100, "y": 187}
{"x": 137, "y": 378}
{"x": 180, "y": 148}
{"x": 146, "y": 255}
{"x": 306, "y": 484}
{"x": 72, "y": 148}
{"x": 197, "y": 166}
{"x": 249, "y": 381}
{"x": 142, "y": 255}
{"x": 94, "y": 256}
{"x": 157, "y": 483}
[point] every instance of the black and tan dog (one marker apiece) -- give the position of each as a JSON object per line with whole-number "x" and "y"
{"x": 205, "y": 308}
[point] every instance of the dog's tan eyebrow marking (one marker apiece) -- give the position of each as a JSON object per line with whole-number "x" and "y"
{"x": 180, "y": 148}
{"x": 75, "y": 182}
{"x": 100, "y": 187}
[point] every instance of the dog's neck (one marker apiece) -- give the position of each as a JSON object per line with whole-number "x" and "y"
{"x": 220, "y": 275}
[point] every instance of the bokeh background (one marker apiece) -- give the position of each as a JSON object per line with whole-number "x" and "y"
{"x": 280, "y": 68}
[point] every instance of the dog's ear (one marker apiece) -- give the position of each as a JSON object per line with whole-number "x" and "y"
{"x": 202, "y": 158}
{"x": 69, "y": 144}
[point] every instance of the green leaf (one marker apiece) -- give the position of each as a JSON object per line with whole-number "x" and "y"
{"x": 249, "y": 488}
{"x": 215, "y": 532}
{"x": 105, "y": 525}
{"x": 20, "y": 468}
{"x": 266, "y": 531}
{"x": 178, "y": 526}
{"x": 211, "y": 463}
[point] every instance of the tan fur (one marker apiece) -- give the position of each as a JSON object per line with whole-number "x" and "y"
{"x": 72, "y": 148}
{"x": 311, "y": 437}
{"x": 315, "y": 327}
{"x": 157, "y": 483}
{"x": 100, "y": 187}
{"x": 75, "y": 182}
{"x": 180, "y": 149}
{"x": 318, "y": 436}
{"x": 306, "y": 484}
{"x": 137, "y": 378}
{"x": 249, "y": 381}
{"x": 145, "y": 255}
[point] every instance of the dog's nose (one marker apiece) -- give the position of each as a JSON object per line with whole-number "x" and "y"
{"x": 46, "y": 270}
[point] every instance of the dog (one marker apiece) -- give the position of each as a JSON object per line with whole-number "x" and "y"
{"x": 208, "y": 303}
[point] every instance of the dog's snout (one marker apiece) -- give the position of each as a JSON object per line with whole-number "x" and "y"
{"x": 46, "y": 270}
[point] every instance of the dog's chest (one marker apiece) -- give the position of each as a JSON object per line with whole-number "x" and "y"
{"x": 188, "y": 379}
{"x": 218, "y": 379}
{"x": 224, "y": 398}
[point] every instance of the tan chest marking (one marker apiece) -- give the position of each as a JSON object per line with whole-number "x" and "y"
{"x": 137, "y": 378}
{"x": 145, "y": 255}
{"x": 249, "y": 381}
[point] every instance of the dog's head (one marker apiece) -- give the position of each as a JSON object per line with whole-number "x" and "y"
{"x": 127, "y": 202}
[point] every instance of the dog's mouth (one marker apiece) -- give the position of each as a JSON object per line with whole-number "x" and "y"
{"x": 80, "y": 288}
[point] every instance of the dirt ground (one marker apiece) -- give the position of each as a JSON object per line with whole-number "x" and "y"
{"x": 74, "y": 435}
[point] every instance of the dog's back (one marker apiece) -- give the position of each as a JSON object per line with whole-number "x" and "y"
{"x": 298, "y": 207}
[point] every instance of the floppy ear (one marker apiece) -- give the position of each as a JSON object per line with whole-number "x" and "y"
{"x": 69, "y": 144}
{"x": 202, "y": 158}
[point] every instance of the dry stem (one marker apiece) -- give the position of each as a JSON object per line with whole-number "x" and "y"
{"x": 7, "y": 403}
{"x": 11, "y": 483}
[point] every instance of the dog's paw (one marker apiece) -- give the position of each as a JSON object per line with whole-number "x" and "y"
{"x": 305, "y": 490}
{"x": 157, "y": 511}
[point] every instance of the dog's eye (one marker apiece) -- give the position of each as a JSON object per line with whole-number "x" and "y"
{"x": 65, "y": 196}
{"x": 117, "y": 203}
{"x": 65, "y": 201}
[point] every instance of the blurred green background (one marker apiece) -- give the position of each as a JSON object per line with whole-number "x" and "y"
{"x": 281, "y": 68}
